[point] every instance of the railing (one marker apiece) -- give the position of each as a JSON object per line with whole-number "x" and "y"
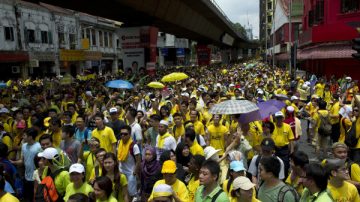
{"x": 222, "y": 12}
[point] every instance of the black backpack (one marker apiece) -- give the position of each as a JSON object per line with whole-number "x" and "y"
{"x": 350, "y": 135}
{"x": 325, "y": 128}
{"x": 284, "y": 189}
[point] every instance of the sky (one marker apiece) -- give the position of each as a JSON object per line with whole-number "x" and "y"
{"x": 243, "y": 12}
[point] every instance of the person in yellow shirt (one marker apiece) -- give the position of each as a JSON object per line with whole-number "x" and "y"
{"x": 195, "y": 148}
{"x": 334, "y": 118}
{"x": 103, "y": 189}
{"x": 97, "y": 170}
{"x": 194, "y": 168}
{"x": 339, "y": 188}
{"x": 78, "y": 183}
{"x": 198, "y": 125}
{"x": 55, "y": 131}
{"x": 237, "y": 169}
{"x": 243, "y": 190}
{"x": 321, "y": 115}
{"x": 89, "y": 157}
{"x": 217, "y": 135}
{"x": 319, "y": 88}
{"x": 298, "y": 161}
{"x": 104, "y": 133}
{"x": 283, "y": 138}
{"x": 169, "y": 172}
{"x": 178, "y": 130}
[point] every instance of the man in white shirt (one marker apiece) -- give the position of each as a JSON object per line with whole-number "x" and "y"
{"x": 136, "y": 132}
{"x": 164, "y": 141}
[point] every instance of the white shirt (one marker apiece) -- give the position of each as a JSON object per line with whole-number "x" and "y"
{"x": 136, "y": 132}
{"x": 169, "y": 144}
{"x": 128, "y": 166}
{"x": 254, "y": 170}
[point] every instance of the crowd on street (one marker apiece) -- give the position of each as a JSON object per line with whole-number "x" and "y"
{"x": 213, "y": 133}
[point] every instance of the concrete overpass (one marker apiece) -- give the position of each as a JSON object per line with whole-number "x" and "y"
{"x": 199, "y": 20}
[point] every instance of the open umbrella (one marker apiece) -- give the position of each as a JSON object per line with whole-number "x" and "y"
{"x": 250, "y": 117}
{"x": 270, "y": 107}
{"x": 3, "y": 85}
{"x": 156, "y": 84}
{"x": 282, "y": 96}
{"x": 122, "y": 84}
{"x": 234, "y": 107}
{"x": 175, "y": 76}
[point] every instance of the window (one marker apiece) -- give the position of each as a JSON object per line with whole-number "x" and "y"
{"x": 269, "y": 6}
{"x": 319, "y": 11}
{"x": 72, "y": 41}
{"x": 101, "y": 40}
{"x": 110, "y": 40}
{"x": 44, "y": 37}
{"x": 88, "y": 34}
{"x": 9, "y": 33}
{"x": 106, "y": 39}
{"x": 93, "y": 37}
{"x": 61, "y": 37}
{"x": 30, "y": 33}
{"x": 350, "y": 6}
{"x": 117, "y": 43}
{"x": 311, "y": 18}
{"x": 269, "y": 19}
{"x": 268, "y": 32}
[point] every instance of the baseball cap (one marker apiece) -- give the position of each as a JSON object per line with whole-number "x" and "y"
{"x": 237, "y": 166}
{"x": 163, "y": 122}
{"x": 169, "y": 166}
{"x": 315, "y": 96}
{"x": 76, "y": 168}
{"x": 162, "y": 190}
{"x": 4, "y": 110}
{"x": 294, "y": 97}
{"x": 185, "y": 94}
{"x": 267, "y": 144}
{"x": 243, "y": 183}
{"x": 232, "y": 85}
{"x": 113, "y": 110}
{"x": 290, "y": 109}
{"x": 278, "y": 114}
{"x": 49, "y": 153}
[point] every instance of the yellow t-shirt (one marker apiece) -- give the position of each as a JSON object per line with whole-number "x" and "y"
{"x": 56, "y": 138}
{"x": 334, "y": 110}
{"x": 283, "y": 135}
{"x": 178, "y": 132}
{"x": 106, "y": 137}
{"x": 347, "y": 192}
{"x": 92, "y": 174}
{"x": 90, "y": 160}
{"x": 84, "y": 189}
{"x": 62, "y": 181}
{"x": 355, "y": 172}
{"x": 295, "y": 184}
{"x": 178, "y": 187}
{"x": 319, "y": 89}
{"x": 192, "y": 186}
{"x": 217, "y": 136}
{"x": 199, "y": 128}
{"x": 8, "y": 198}
{"x": 110, "y": 199}
{"x": 357, "y": 123}
{"x": 123, "y": 183}
{"x": 347, "y": 123}
{"x": 196, "y": 149}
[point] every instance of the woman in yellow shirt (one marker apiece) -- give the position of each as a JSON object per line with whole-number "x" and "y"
{"x": 103, "y": 189}
{"x": 194, "y": 168}
{"x": 111, "y": 170}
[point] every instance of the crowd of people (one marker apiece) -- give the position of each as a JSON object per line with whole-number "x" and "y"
{"x": 87, "y": 142}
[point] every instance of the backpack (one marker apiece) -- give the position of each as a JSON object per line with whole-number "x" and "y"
{"x": 46, "y": 190}
{"x": 350, "y": 135}
{"x": 325, "y": 128}
{"x": 216, "y": 195}
{"x": 284, "y": 189}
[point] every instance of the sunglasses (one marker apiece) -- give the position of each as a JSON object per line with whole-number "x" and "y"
{"x": 123, "y": 134}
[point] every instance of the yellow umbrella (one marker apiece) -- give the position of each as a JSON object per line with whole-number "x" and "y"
{"x": 156, "y": 84}
{"x": 175, "y": 76}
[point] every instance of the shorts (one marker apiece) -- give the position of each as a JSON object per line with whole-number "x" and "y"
{"x": 132, "y": 185}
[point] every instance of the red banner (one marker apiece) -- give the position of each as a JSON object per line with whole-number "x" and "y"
{"x": 203, "y": 54}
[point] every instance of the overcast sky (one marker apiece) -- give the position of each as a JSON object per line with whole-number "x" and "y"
{"x": 242, "y": 11}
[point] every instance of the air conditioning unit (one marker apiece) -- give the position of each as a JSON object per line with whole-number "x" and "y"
{"x": 15, "y": 69}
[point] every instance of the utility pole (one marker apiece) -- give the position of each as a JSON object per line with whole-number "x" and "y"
{"x": 266, "y": 34}
{"x": 273, "y": 41}
{"x": 290, "y": 32}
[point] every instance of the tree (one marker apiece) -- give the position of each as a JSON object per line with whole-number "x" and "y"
{"x": 240, "y": 29}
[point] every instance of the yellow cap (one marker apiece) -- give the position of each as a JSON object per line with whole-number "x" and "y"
{"x": 169, "y": 166}
{"x": 46, "y": 121}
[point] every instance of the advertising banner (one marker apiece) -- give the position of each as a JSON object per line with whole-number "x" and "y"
{"x": 203, "y": 54}
{"x": 133, "y": 59}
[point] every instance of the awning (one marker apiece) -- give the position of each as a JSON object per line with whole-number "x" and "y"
{"x": 326, "y": 51}
{"x": 282, "y": 56}
{"x": 13, "y": 56}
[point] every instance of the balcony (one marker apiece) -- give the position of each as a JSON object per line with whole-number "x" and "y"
{"x": 305, "y": 37}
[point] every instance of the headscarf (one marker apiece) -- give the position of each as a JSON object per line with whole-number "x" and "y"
{"x": 180, "y": 158}
{"x": 150, "y": 167}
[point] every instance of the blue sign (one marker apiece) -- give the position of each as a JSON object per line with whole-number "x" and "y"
{"x": 180, "y": 52}
{"x": 164, "y": 52}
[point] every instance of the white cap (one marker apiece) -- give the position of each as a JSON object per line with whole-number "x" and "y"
{"x": 209, "y": 151}
{"x": 4, "y": 110}
{"x": 162, "y": 190}
{"x": 185, "y": 94}
{"x": 163, "y": 122}
{"x": 231, "y": 85}
{"x": 294, "y": 97}
{"x": 77, "y": 168}
{"x": 218, "y": 85}
{"x": 279, "y": 113}
{"x": 348, "y": 78}
{"x": 113, "y": 110}
{"x": 183, "y": 89}
{"x": 290, "y": 109}
{"x": 49, "y": 153}
{"x": 259, "y": 91}
{"x": 88, "y": 93}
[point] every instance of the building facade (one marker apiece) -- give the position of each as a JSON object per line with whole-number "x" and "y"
{"x": 40, "y": 40}
{"x": 266, "y": 13}
{"x": 325, "y": 41}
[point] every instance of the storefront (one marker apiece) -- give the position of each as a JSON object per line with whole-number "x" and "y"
{"x": 42, "y": 64}
{"x": 13, "y": 64}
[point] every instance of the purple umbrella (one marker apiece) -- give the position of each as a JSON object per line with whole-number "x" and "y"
{"x": 270, "y": 107}
{"x": 250, "y": 117}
